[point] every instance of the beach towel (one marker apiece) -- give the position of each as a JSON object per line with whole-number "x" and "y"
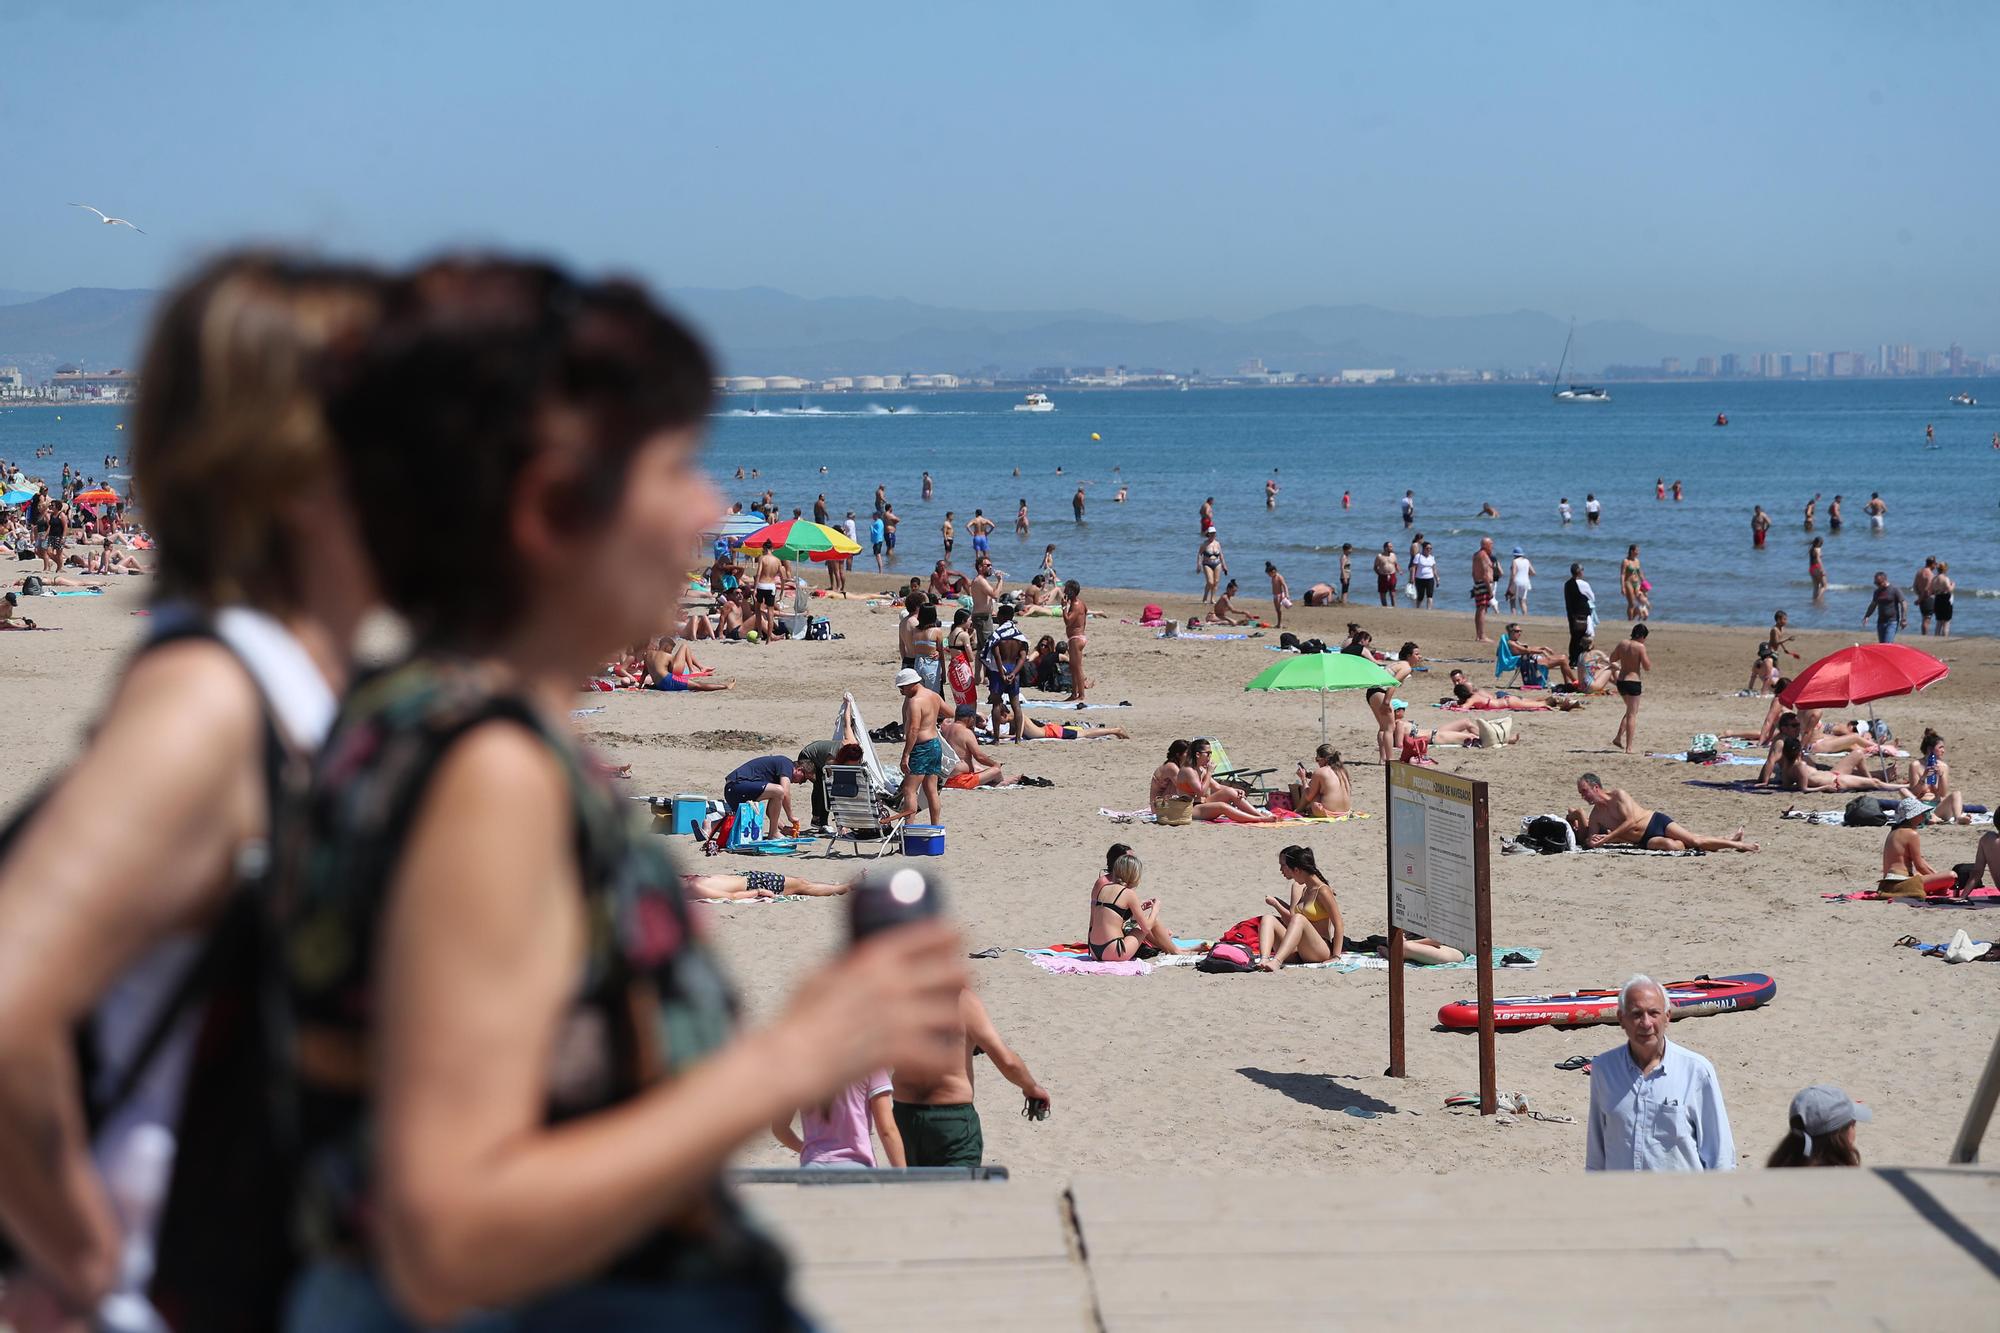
{"x": 1129, "y": 816}
{"x": 1960, "y": 948}
{"x": 1368, "y": 962}
{"x": 1839, "y": 817}
{"x": 1090, "y": 967}
{"x": 1748, "y": 786}
{"x": 1079, "y": 949}
{"x": 1937, "y": 893}
{"x": 752, "y": 902}
{"x": 1724, "y": 759}
{"x": 75, "y": 592}
{"x": 1285, "y": 817}
{"x": 1185, "y": 635}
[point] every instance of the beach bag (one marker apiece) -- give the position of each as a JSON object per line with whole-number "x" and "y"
{"x": 1533, "y": 672}
{"x": 1151, "y": 615}
{"x": 1865, "y": 812}
{"x": 1416, "y": 748}
{"x": 1494, "y": 731}
{"x": 1547, "y": 835}
{"x": 1235, "y": 951}
{"x": 1174, "y": 811}
{"x": 746, "y": 825}
{"x": 819, "y": 629}
{"x": 1703, "y": 749}
{"x": 31, "y": 586}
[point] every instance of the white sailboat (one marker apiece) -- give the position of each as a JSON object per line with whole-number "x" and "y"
{"x": 1575, "y": 393}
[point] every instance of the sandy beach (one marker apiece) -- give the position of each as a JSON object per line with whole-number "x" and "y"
{"x": 1192, "y": 1073}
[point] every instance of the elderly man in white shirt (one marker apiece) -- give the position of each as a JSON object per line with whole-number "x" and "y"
{"x": 1654, "y": 1106}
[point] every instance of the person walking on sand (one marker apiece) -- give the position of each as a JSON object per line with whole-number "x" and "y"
{"x": 1760, "y": 523}
{"x": 934, "y": 1112}
{"x": 1886, "y": 604}
{"x": 923, "y": 748}
{"x": 1485, "y": 571}
{"x": 1654, "y": 1105}
{"x": 1076, "y": 616}
{"x": 1386, "y": 574}
{"x": 1628, "y": 660}
{"x": 1280, "y": 593}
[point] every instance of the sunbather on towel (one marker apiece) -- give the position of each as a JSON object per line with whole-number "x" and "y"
{"x": 757, "y": 886}
{"x": 1904, "y": 868}
{"x": 1214, "y": 799}
{"x": 1056, "y": 731}
{"x": 1487, "y": 701}
{"x": 976, "y": 767}
{"x": 1413, "y": 743}
{"x": 1930, "y": 779}
{"x": 1615, "y": 819}
{"x": 1306, "y": 925}
{"x": 1775, "y": 773}
{"x": 1122, "y": 925}
{"x": 1797, "y": 773}
{"x": 1326, "y": 789}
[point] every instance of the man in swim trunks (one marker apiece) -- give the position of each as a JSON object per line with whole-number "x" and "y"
{"x": 1006, "y": 663}
{"x": 1485, "y": 570}
{"x": 1615, "y": 819}
{"x": 1346, "y": 570}
{"x": 768, "y": 574}
{"x": 1876, "y": 510}
{"x": 1409, "y": 509}
{"x": 1920, "y": 586}
{"x": 923, "y": 749}
{"x": 1386, "y": 574}
{"x": 935, "y": 1115}
{"x": 1833, "y": 515}
{"x": 981, "y": 528}
{"x": 976, "y": 768}
{"x": 1628, "y": 660}
{"x": 1076, "y": 502}
{"x": 985, "y": 592}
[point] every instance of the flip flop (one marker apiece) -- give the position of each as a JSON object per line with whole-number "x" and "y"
{"x": 1574, "y": 1062}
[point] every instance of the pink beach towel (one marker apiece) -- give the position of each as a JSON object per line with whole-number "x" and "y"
{"x": 1085, "y": 967}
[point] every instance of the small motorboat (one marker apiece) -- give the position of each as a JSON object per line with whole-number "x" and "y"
{"x": 1962, "y": 399}
{"x": 1035, "y": 402}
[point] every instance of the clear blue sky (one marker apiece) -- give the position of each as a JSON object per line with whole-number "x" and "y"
{"x": 1802, "y": 174}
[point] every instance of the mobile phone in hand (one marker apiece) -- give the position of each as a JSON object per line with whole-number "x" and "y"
{"x": 886, "y": 898}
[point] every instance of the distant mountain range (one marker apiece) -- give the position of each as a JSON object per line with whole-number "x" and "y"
{"x": 764, "y": 332}
{"x": 99, "y": 328}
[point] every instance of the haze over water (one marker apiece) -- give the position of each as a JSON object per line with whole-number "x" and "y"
{"x": 1456, "y": 447}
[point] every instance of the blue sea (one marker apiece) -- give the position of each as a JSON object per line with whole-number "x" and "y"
{"x": 1457, "y": 448}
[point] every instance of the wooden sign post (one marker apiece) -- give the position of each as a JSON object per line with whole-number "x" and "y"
{"x": 1438, "y": 887}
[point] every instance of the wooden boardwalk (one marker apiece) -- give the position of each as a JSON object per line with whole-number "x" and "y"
{"x": 1880, "y": 1248}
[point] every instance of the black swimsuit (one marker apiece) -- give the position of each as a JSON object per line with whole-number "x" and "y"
{"x": 1124, "y": 913}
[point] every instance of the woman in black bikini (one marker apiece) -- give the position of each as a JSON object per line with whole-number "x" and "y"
{"x": 1122, "y": 926}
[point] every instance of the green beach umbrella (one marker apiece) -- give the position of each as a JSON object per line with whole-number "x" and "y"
{"x": 1324, "y": 672}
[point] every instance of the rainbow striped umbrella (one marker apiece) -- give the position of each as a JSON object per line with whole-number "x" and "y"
{"x": 798, "y": 539}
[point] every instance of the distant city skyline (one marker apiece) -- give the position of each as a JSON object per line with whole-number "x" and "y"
{"x": 1781, "y": 175}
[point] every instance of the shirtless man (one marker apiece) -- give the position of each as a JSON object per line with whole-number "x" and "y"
{"x": 1208, "y": 514}
{"x": 1615, "y": 819}
{"x": 935, "y": 1115}
{"x": 1485, "y": 572}
{"x": 1346, "y": 570}
{"x": 976, "y": 767}
{"x": 945, "y": 581}
{"x": 1281, "y": 596}
{"x": 1921, "y": 587}
{"x": 1076, "y": 502}
{"x": 1833, "y": 515}
{"x": 1076, "y": 616}
{"x": 981, "y": 528}
{"x": 767, "y": 574}
{"x": 1876, "y": 510}
{"x": 1386, "y": 574}
{"x": 1544, "y": 657}
{"x": 1628, "y": 660}
{"x": 923, "y": 749}
{"x": 985, "y": 590}
{"x": 946, "y": 531}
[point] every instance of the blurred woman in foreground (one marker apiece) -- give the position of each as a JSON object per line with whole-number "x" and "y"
{"x": 519, "y": 1072}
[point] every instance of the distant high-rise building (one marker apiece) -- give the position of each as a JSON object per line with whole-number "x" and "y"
{"x": 1906, "y": 359}
{"x": 1773, "y": 365}
{"x": 1731, "y": 364}
{"x": 1785, "y": 365}
{"x": 1705, "y": 366}
{"x": 1885, "y": 359}
{"x": 1844, "y": 365}
{"x": 1670, "y": 365}
{"x": 1931, "y": 362}
{"x": 1816, "y": 365}
{"x": 1955, "y": 359}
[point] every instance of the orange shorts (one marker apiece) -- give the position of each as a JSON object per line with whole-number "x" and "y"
{"x": 962, "y": 780}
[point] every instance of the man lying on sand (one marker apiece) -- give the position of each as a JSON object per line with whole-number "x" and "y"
{"x": 757, "y": 886}
{"x": 1615, "y": 819}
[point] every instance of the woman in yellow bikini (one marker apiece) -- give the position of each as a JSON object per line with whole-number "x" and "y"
{"x": 1308, "y": 926}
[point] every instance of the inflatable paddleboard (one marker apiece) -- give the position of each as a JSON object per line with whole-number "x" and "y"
{"x": 1689, "y": 999}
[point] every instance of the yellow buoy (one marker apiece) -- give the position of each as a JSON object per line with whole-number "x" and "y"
{"x": 1095, "y": 436}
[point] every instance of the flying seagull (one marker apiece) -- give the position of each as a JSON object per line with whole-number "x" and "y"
{"x": 110, "y": 221}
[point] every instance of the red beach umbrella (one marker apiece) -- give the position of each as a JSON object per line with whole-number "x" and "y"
{"x": 1862, "y": 673}
{"x": 102, "y": 495}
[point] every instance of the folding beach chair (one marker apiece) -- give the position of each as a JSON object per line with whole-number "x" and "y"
{"x": 1250, "y": 781}
{"x": 1506, "y": 661}
{"x": 856, "y": 806}
{"x": 795, "y": 624}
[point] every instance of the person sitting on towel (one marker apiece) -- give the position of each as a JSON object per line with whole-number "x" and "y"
{"x": 1904, "y": 868}
{"x": 1124, "y": 926}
